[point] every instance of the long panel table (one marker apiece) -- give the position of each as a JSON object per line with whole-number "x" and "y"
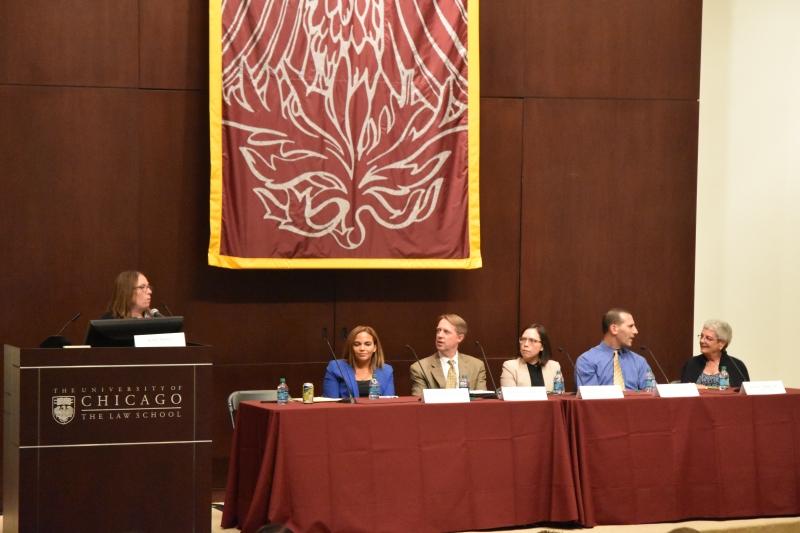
{"x": 398, "y": 465}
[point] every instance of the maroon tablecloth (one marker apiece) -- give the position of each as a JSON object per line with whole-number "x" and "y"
{"x": 723, "y": 455}
{"x": 400, "y": 466}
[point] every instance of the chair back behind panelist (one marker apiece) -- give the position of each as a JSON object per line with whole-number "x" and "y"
{"x": 244, "y": 395}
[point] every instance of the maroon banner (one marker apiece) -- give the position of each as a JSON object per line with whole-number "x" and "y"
{"x": 348, "y": 135}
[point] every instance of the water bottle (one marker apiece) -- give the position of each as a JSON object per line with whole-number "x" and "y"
{"x": 283, "y": 392}
{"x": 558, "y": 383}
{"x": 649, "y": 381}
{"x": 374, "y": 389}
{"x": 724, "y": 379}
{"x": 463, "y": 383}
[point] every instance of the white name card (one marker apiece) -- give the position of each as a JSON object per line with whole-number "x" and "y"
{"x": 599, "y": 392}
{"x": 159, "y": 340}
{"x": 762, "y": 388}
{"x": 524, "y": 394}
{"x": 677, "y": 390}
{"x": 445, "y": 395}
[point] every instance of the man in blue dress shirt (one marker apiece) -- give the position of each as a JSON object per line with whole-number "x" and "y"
{"x": 612, "y": 362}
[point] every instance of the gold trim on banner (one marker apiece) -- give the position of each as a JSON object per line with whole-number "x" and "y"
{"x": 215, "y": 125}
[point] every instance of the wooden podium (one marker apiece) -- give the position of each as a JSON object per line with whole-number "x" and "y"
{"x": 107, "y": 439}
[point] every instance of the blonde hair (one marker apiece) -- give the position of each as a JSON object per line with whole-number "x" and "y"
{"x": 459, "y": 323}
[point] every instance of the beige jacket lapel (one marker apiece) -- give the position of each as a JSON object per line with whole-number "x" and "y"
{"x": 436, "y": 372}
{"x": 523, "y": 377}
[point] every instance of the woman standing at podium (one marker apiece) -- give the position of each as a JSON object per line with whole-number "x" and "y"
{"x": 362, "y": 360}
{"x": 131, "y": 296}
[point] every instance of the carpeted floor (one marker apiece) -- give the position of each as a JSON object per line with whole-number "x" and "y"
{"x": 756, "y": 525}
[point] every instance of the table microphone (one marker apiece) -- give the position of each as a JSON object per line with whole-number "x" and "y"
{"x": 414, "y": 353}
{"x": 154, "y": 313}
{"x": 486, "y": 362}
{"x": 736, "y": 366}
{"x": 351, "y": 397}
{"x": 565, "y": 352}
{"x": 653, "y": 357}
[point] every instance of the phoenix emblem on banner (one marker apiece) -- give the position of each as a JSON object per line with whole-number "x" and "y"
{"x": 345, "y": 112}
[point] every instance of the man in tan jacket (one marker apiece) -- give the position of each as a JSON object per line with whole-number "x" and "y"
{"x": 443, "y": 369}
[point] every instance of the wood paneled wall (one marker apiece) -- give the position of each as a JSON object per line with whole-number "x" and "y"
{"x": 588, "y": 170}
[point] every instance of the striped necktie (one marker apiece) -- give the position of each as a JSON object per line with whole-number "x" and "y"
{"x": 619, "y": 379}
{"x": 452, "y": 380}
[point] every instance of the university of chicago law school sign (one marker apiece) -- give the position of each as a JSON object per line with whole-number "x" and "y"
{"x": 117, "y": 403}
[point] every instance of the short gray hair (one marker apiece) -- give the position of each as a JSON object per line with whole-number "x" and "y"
{"x": 721, "y": 329}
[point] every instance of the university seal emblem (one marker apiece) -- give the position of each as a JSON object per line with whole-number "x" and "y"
{"x": 63, "y": 409}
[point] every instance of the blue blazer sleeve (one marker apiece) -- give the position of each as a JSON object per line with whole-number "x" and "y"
{"x": 330, "y": 384}
{"x": 385, "y": 376}
{"x": 333, "y": 385}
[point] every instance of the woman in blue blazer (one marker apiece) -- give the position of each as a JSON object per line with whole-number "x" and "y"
{"x": 362, "y": 359}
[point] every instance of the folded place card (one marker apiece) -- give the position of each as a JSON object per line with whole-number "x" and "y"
{"x": 522, "y": 394}
{"x": 445, "y": 395}
{"x": 599, "y": 392}
{"x": 761, "y": 388}
{"x": 159, "y": 340}
{"x": 677, "y": 390}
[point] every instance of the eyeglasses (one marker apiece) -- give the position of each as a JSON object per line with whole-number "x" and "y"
{"x": 144, "y": 287}
{"x": 526, "y": 340}
{"x": 707, "y": 338}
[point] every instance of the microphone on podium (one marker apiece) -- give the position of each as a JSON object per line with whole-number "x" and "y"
{"x": 57, "y": 341}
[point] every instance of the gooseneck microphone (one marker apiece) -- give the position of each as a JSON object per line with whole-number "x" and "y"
{"x": 350, "y": 396}
{"x": 565, "y": 352}
{"x": 486, "y": 362}
{"x": 57, "y": 341}
{"x": 653, "y": 357}
{"x": 735, "y": 365}
{"x": 154, "y": 313}
{"x": 70, "y": 321}
{"x": 414, "y": 353}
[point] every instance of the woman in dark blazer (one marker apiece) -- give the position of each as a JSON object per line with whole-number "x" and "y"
{"x": 704, "y": 369}
{"x": 362, "y": 359}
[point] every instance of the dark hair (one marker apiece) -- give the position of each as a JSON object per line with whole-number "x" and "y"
{"x": 377, "y": 357}
{"x": 122, "y": 297}
{"x": 547, "y": 351}
{"x": 613, "y": 316}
